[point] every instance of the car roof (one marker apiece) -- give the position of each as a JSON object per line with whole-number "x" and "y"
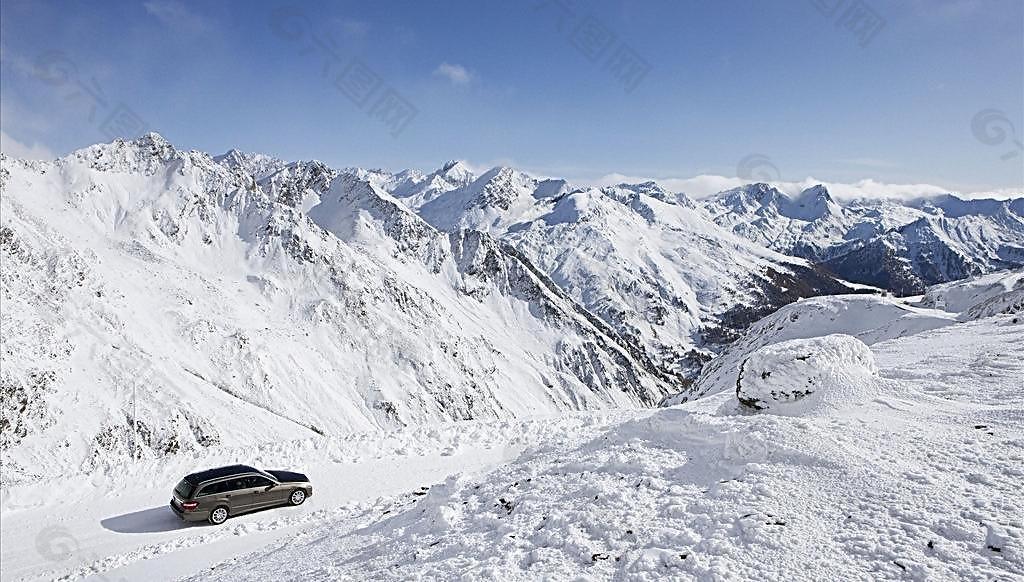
{"x": 201, "y": 476}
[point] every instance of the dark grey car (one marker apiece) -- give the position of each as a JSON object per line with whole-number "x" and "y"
{"x": 216, "y": 494}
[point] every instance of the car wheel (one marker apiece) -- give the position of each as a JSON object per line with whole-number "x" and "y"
{"x": 219, "y": 515}
{"x": 297, "y": 497}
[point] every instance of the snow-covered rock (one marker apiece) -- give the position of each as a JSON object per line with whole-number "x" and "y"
{"x": 869, "y": 318}
{"x": 804, "y": 376}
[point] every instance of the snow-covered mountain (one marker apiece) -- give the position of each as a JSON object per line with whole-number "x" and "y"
{"x": 156, "y": 300}
{"x": 812, "y": 224}
{"x": 902, "y": 247}
{"x": 935, "y": 249}
{"x": 258, "y": 166}
{"x": 646, "y": 261}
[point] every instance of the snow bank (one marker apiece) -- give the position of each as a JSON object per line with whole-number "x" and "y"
{"x": 803, "y": 376}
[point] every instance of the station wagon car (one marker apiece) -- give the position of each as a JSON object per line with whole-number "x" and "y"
{"x": 216, "y": 494}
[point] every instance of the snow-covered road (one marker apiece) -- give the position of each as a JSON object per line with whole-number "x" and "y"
{"x": 112, "y": 531}
{"x": 118, "y": 526}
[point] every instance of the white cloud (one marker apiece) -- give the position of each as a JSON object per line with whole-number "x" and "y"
{"x": 176, "y": 15}
{"x": 457, "y": 74}
{"x": 706, "y": 185}
{"x": 16, "y": 149}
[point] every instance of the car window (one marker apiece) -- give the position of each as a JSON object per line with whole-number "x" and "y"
{"x": 212, "y": 488}
{"x": 236, "y": 484}
{"x": 261, "y": 482}
{"x": 183, "y": 489}
{"x": 250, "y": 481}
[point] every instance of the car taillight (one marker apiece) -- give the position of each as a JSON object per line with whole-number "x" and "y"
{"x": 190, "y": 505}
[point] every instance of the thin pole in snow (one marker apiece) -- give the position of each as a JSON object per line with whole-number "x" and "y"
{"x": 135, "y": 421}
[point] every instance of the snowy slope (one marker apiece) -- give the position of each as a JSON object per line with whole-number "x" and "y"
{"x": 960, "y": 296}
{"x": 869, "y": 318}
{"x": 917, "y": 477}
{"x": 158, "y": 301}
{"x": 117, "y": 526}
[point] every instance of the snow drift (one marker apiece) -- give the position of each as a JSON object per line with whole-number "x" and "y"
{"x": 804, "y": 376}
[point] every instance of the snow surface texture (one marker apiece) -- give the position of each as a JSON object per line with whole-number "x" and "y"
{"x": 806, "y": 376}
{"x": 921, "y": 481}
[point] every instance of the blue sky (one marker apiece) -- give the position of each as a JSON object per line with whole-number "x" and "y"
{"x": 654, "y": 89}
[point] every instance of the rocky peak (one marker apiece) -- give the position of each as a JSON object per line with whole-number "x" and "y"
{"x": 751, "y": 197}
{"x": 256, "y": 165}
{"x": 500, "y": 187}
{"x": 455, "y": 172}
{"x": 814, "y": 203}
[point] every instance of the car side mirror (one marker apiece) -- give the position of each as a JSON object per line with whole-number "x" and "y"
{"x": 271, "y": 486}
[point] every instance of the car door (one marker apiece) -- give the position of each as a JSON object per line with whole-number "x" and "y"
{"x": 263, "y": 497}
{"x": 238, "y": 494}
{"x": 216, "y": 493}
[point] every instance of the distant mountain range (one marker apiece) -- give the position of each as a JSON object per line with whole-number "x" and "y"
{"x": 899, "y": 246}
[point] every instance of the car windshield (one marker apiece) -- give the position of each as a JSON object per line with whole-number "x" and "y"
{"x": 184, "y": 489}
